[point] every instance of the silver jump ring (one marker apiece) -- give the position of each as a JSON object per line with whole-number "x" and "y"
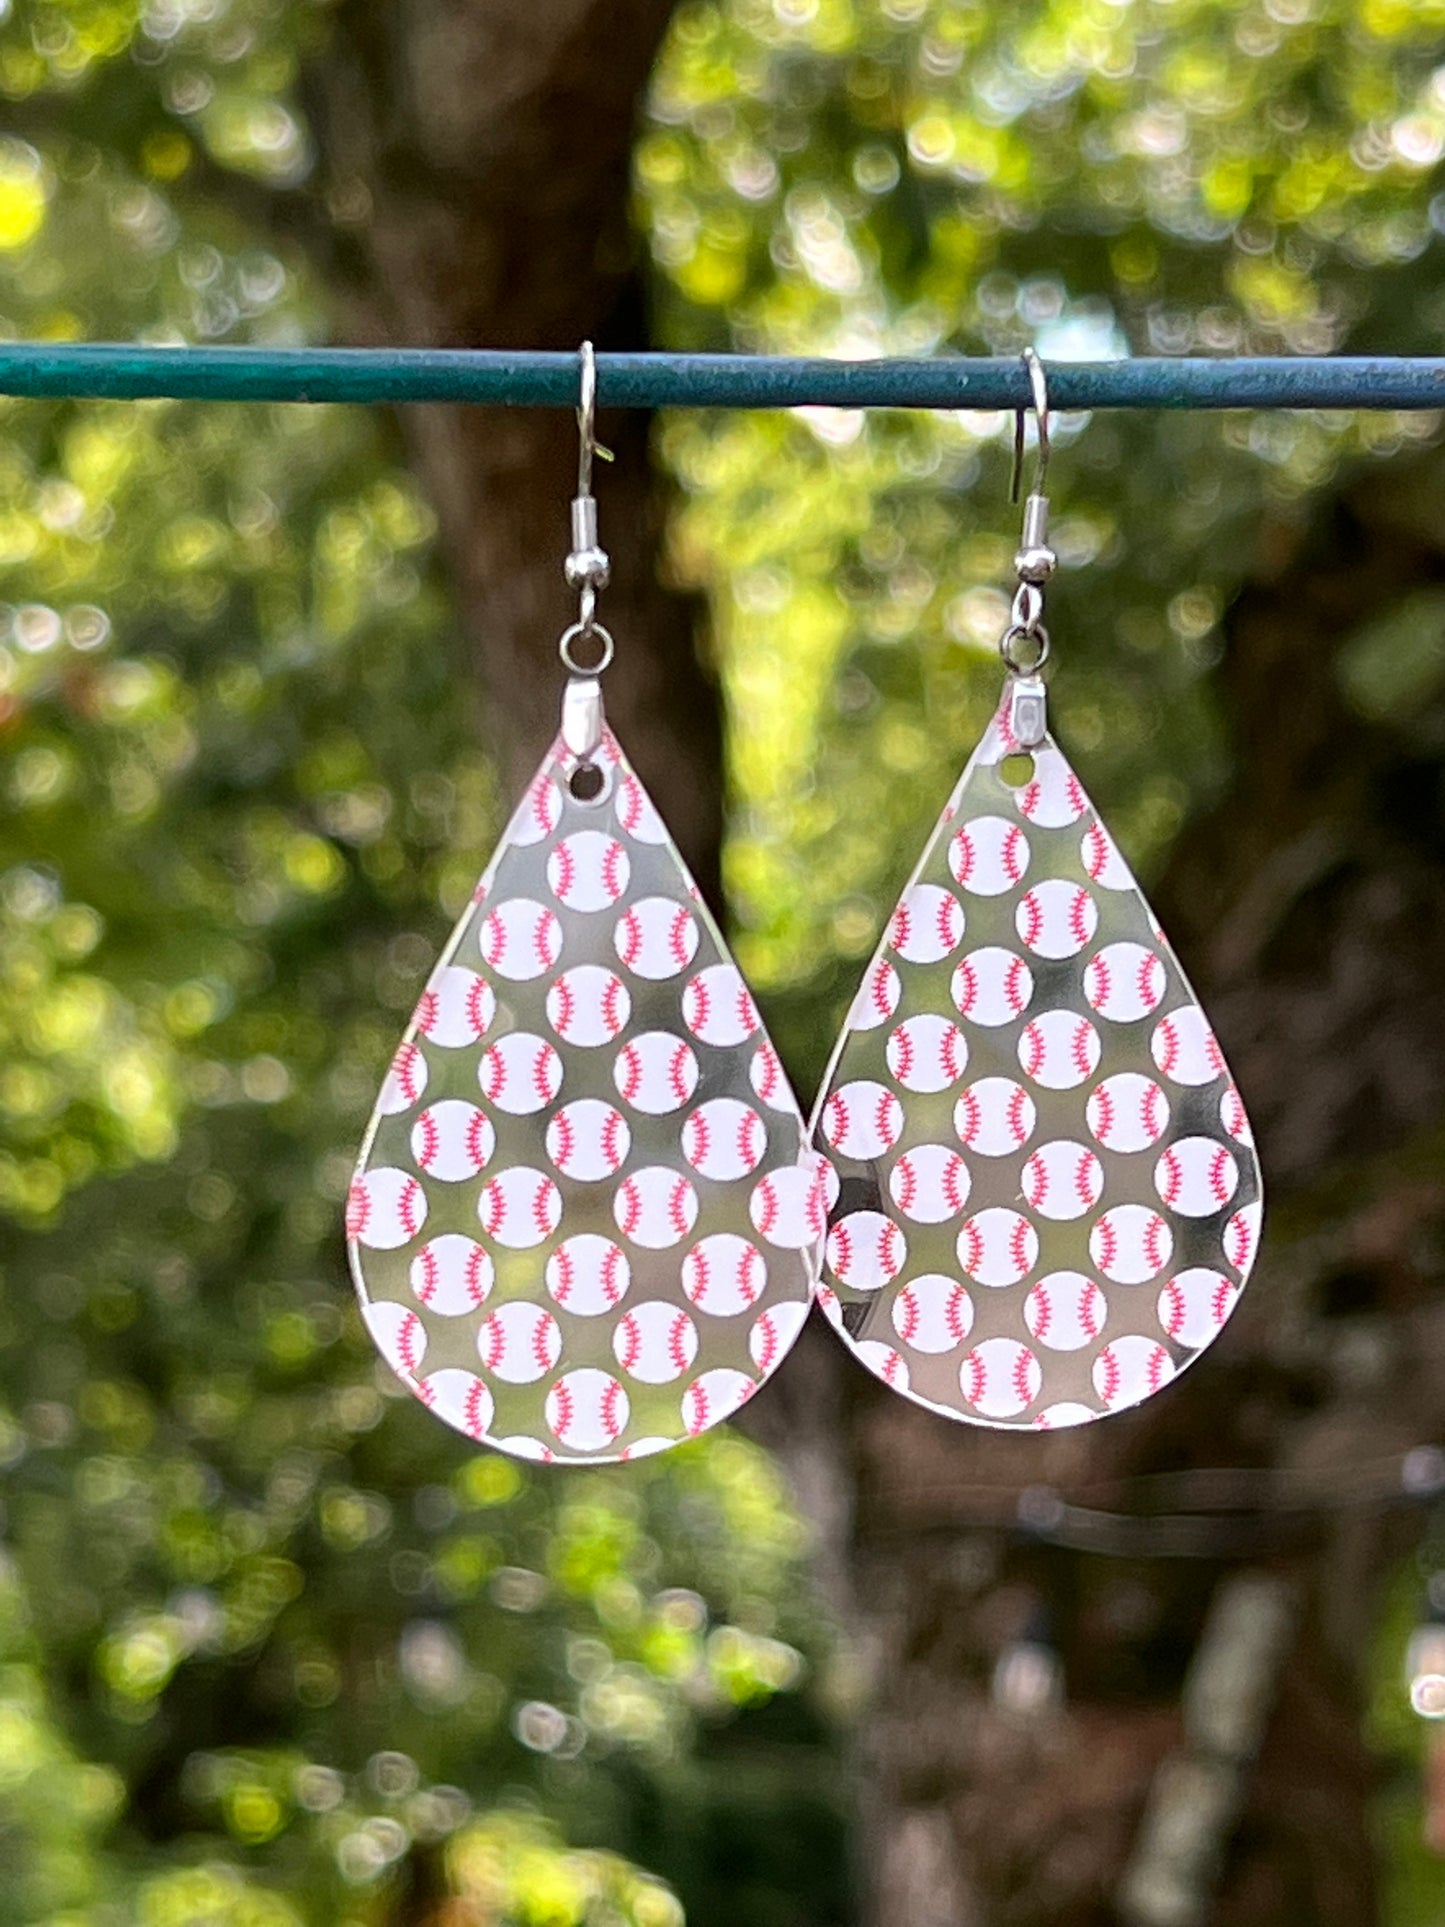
{"x": 1038, "y": 635}
{"x": 1028, "y": 608}
{"x": 575, "y": 634}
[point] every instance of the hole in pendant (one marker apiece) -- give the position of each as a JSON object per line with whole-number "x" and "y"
{"x": 587, "y": 782}
{"x": 1016, "y": 770}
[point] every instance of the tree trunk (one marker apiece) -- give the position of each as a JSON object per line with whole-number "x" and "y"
{"x": 476, "y": 174}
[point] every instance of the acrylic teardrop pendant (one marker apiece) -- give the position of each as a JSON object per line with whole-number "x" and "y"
{"x": 1044, "y": 1198}
{"x": 585, "y": 1223}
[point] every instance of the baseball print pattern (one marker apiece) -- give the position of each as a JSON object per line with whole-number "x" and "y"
{"x": 586, "y": 1224}
{"x": 1044, "y": 1199}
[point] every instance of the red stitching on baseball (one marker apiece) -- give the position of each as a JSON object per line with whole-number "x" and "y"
{"x": 478, "y": 1149}
{"x": 358, "y": 1209}
{"x": 1146, "y": 972}
{"x": 613, "y": 857}
{"x": 1082, "y": 904}
{"x": 1081, "y": 1054}
{"x": 426, "y": 1012}
{"x": 542, "y": 1206}
{"x": 1018, "y": 979}
{"x": 542, "y": 1353}
{"x": 1154, "y": 1245}
{"x": 681, "y": 931}
{"x": 1098, "y": 994}
{"x": 1022, "y": 1389}
{"x": 566, "y": 871}
{"x": 677, "y": 1341}
{"x": 1018, "y": 1245}
{"x": 562, "y": 1395}
{"x": 1219, "y": 1168}
{"x": 1110, "y": 1364}
{"x": 677, "y": 1209}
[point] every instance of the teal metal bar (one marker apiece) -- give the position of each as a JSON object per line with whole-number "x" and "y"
{"x": 549, "y": 380}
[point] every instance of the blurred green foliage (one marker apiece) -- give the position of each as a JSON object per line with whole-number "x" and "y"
{"x": 1097, "y": 177}
{"x": 273, "y": 1648}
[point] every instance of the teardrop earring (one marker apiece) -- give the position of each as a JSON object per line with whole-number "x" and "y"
{"x": 1044, "y": 1198}
{"x": 585, "y": 1222}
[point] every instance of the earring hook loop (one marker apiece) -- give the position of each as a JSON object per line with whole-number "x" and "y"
{"x": 586, "y": 417}
{"x": 587, "y": 442}
{"x": 1039, "y": 387}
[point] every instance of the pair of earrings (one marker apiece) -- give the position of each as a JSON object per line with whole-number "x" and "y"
{"x": 588, "y": 1219}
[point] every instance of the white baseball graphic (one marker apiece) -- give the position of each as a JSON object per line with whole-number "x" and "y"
{"x": 397, "y": 1333}
{"x": 385, "y": 1208}
{"x": 927, "y": 1053}
{"x": 1124, "y": 982}
{"x": 1065, "y": 1311}
{"x": 1129, "y": 1369}
{"x": 1056, "y": 919}
{"x": 1000, "y": 1378}
{"x": 724, "y": 1275}
{"x": 932, "y": 1313}
{"x": 994, "y": 1116}
{"x": 724, "y": 1139}
{"x": 1234, "y": 1118}
{"x": 1059, "y": 1050}
{"x": 1053, "y": 798}
{"x": 1063, "y": 1179}
{"x": 655, "y": 1073}
{"x": 992, "y": 986}
{"x": 1194, "y": 1305}
{"x": 998, "y": 1247}
{"x": 1184, "y": 1047}
{"x": 588, "y": 1005}
{"x": 877, "y": 997}
{"x": 655, "y": 1207}
{"x": 773, "y": 1333}
{"x": 519, "y": 1342}
{"x": 452, "y": 1274}
{"x": 789, "y": 1208}
{"x": 405, "y": 1082}
{"x": 636, "y": 814}
{"x": 537, "y": 815}
{"x": 765, "y": 1074}
{"x": 866, "y": 1251}
{"x": 453, "y": 1140}
{"x": 1196, "y": 1176}
{"x": 988, "y": 856}
{"x": 519, "y": 1207}
{"x": 1127, "y": 1112}
{"x": 883, "y": 1361}
{"x": 588, "y": 1140}
{"x": 1058, "y": 1418}
{"x": 929, "y": 1184}
{"x": 588, "y": 1275}
{"x": 1241, "y": 1236}
{"x": 927, "y": 926}
{"x": 520, "y": 1073}
{"x": 1130, "y": 1244}
{"x": 522, "y": 1446}
{"x": 520, "y": 939}
{"x": 1102, "y": 862}
{"x": 461, "y": 1399}
{"x": 587, "y": 1409}
{"x": 718, "y": 1007}
{"x": 588, "y": 870}
{"x": 862, "y": 1120}
{"x": 714, "y": 1396}
{"x": 656, "y": 938}
{"x": 456, "y": 1008}
{"x": 654, "y": 1342}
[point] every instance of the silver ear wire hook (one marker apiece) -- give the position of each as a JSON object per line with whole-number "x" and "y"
{"x": 587, "y": 570}
{"x": 1024, "y": 645}
{"x": 1039, "y": 386}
